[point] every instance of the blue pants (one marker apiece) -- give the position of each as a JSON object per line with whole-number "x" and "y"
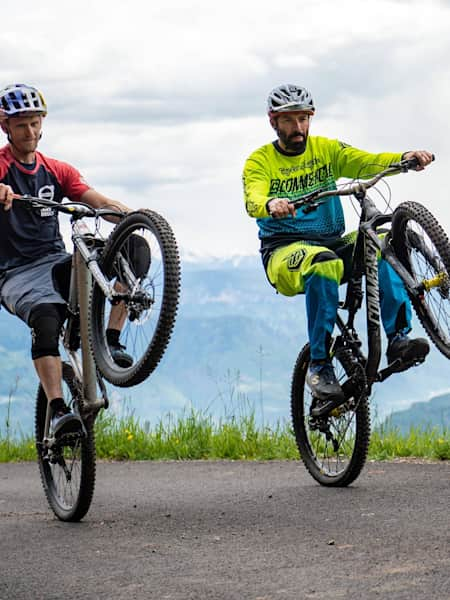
{"x": 322, "y": 300}
{"x": 317, "y": 271}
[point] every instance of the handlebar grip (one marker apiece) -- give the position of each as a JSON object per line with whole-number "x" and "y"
{"x": 412, "y": 163}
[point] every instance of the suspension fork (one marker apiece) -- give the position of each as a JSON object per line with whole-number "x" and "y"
{"x": 83, "y": 280}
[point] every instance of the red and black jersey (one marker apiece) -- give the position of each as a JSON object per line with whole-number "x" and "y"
{"x": 26, "y": 235}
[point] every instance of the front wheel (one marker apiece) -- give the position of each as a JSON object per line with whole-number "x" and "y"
{"x": 67, "y": 465}
{"x": 141, "y": 260}
{"x": 333, "y": 448}
{"x": 423, "y": 248}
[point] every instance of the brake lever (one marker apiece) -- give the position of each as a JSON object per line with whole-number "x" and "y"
{"x": 312, "y": 207}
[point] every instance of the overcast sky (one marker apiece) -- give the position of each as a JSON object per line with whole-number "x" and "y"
{"x": 159, "y": 103}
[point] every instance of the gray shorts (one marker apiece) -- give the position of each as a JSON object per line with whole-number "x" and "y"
{"x": 22, "y": 288}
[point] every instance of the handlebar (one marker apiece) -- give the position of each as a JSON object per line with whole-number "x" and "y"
{"x": 76, "y": 209}
{"x": 358, "y": 188}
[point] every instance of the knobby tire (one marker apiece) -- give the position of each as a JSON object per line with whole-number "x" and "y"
{"x": 326, "y": 465}
{"x": 69, "y": 490}
{"x": 422, "y": 246}
{"x": 146, "y": 338}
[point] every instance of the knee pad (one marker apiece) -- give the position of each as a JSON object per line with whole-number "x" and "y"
{"x": 46, "y": 321}
{"x": 138, "y": 253}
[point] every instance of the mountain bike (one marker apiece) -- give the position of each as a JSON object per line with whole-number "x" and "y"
{"x": 134, "y": 271}
{"x": 334, "y": 446}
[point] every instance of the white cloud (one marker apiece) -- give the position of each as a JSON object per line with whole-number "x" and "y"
{"x": 160, "y": 103}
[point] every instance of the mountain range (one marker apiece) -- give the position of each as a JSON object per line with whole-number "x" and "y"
{"x": 232, "y": 351}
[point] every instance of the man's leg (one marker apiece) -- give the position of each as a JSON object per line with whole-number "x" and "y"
{"x": 46, "y": 321}
{"x": 316, "y": 272}
{"x": 395, "y": 309}
{"x": 395, "y": 306}
{"x": 322, "y": 300}
{"x": 116, "y": 321}
{"x": 136, "y": 252}
{"x": 49, "y": 370}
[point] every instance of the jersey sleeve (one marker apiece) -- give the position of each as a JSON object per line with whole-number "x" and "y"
{"x": 256, "y": 182}
{"x": 72, "y": 183}
{"x": 354, "y": 163}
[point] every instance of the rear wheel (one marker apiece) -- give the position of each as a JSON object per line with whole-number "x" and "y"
{"x": 334, "y": 447}
{"x": 141, "y": 259}
{"x": 423, "y": 248}
{"x": 67, "y": 466}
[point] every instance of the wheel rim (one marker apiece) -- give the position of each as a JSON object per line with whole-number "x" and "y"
{"x": 331, "y": 439}
{"x": 144, "y": 302}
{"x": 67, "y": 464}
{"x": 63, "y": 465}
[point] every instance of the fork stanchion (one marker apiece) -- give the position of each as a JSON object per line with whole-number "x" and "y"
{"x": 84, "y": 284}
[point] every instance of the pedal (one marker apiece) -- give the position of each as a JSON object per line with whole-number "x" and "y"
{"x": 398, "y": 366}
{"x": 70, "y": 439}
{"x": 322, "y": 408}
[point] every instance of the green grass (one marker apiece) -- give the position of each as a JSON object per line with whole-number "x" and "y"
{"x": 198, "y": 436}
{"x": 387, "y": 443}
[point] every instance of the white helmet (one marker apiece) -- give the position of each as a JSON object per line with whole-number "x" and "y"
{"x": 20, "y": 100}
{"x": 289, "y": 97}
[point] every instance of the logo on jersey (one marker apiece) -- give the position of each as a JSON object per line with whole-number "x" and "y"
{"x": 47, "y": 211}
{"x": 47, "y": 192}
{"x": 302, "y": 183}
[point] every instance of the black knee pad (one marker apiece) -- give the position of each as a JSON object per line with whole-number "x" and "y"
{"x": 138, "y": 253}
{"x": 46, "y": 321}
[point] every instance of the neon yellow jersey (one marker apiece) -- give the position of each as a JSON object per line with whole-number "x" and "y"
{"x": 271, "y": 173}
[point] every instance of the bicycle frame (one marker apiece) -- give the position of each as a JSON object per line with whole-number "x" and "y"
{"x": 368, "y": 247}
{"x": 364, "y": 263}
{"x": 84, "y": 264}
{"x": 84, "y": 270}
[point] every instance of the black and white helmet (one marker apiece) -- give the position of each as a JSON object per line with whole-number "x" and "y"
{"x": 19, "y": 100}
{"x": 289, "y": 97}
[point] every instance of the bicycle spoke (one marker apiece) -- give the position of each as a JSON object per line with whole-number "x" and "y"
{"x": 333, "y": 447}
{"x": 67, "y": 467}
{"x": 426, "y": 266}
{"x": 141, "y": 259}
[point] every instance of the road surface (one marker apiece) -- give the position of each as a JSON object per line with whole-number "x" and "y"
{"x": 199, "y": 530}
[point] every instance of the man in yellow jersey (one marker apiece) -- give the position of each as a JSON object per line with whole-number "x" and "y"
{"x": 305, "y": 253}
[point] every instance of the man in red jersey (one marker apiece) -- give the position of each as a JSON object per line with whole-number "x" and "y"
{"x": 34, "y": 264}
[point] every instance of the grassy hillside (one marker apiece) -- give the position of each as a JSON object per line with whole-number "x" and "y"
{"x": 434, "y": 413}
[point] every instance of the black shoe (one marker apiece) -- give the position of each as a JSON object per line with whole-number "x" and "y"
{"x": 120, "y": 357}
{"x": 408, "y": 351}
{"x": 325, "y": 388}
{"x": 65, "y": 421}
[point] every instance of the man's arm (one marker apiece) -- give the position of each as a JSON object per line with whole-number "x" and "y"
{"x": 97, "y": 200}
{"x": 352, "y": 162}
{"x": 423, "y": 156}
{"x": 6, "y": 196}
{"x": 257, "y": 200}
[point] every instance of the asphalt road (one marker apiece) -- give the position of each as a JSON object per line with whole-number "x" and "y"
{"x": 230, "y": 531}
